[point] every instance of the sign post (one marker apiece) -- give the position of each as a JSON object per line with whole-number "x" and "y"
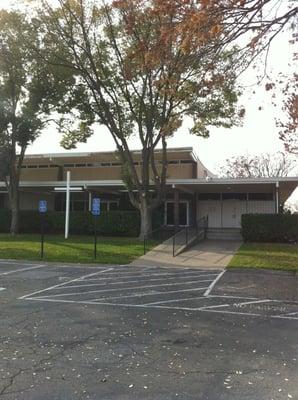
{"x": 67, "y": 204}
{"x": 43, "y": 208}
{"x": 96, "y": 213}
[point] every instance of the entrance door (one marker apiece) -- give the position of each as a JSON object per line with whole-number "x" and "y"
{"x": 231, "y": 213}
{"x": 183, "y": 213}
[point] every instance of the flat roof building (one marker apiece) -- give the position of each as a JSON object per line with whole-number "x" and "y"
{"x": 190, "y": 184}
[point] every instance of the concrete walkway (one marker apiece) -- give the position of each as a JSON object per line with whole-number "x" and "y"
{"x": 206, "y": 254}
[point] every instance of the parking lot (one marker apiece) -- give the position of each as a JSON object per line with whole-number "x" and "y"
{"x": 123, "y": 332}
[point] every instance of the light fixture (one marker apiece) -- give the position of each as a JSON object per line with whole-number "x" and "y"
{"x": 71, "y": 189}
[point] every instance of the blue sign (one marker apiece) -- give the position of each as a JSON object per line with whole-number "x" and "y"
{"x": 95, "y": 206}
{"x": 42, "y": 206}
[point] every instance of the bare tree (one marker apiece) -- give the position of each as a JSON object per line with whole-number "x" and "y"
{"x": 289, "y": 123}
{"x": 265, "y": 165}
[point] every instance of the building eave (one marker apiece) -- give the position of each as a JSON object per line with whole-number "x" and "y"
{"x": 170, "y": 182}
{"x": 231, "y": 181}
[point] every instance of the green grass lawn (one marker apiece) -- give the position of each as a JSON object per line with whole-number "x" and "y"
{"x": 77, "y": 249}
{"x": 266, "y": 255}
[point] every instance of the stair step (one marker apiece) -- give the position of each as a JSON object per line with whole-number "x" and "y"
{"x": 224, "y": 234}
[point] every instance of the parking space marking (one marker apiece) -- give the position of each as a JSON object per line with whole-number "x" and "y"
{"x": 61, "y": 284}
{"x": 129, "y": 282}
{"x": 237, "y": 304}
{"x": 22, "y": 270}
{"x": 136, "y": 287}
{"x": 166, "y": 275}
{"x": 125, "y": 288}
{"x": 15, "y": 262}
{"x": 150, "y": 294}
{"x": 211, "y": 286}
{"x": 174, "y": 300}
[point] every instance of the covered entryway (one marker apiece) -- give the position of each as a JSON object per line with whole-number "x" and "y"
{"x": 232, "y": 211}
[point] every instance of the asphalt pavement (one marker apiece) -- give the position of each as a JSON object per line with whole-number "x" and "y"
{"x": 132, "y": 333}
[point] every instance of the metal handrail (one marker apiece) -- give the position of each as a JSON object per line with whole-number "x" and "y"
{"x": 146, "y": 238}
{"x": 184, "y": 232}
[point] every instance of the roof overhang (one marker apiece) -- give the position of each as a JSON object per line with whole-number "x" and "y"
{"x": 285, "y": 185}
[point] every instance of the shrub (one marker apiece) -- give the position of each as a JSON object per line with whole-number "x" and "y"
{"x": 117, "y": 223}
{"x": 270, "y": 227}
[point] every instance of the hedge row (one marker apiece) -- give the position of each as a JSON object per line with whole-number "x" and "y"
{"x": 270, "y": 227}
{"x": 118, "y": 223}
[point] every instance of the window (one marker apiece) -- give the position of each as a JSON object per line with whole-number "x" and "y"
{"x": 260, "y": 196}
{"x": 183, "y": 213}
{"x": 113, "y": 205}
{"x": 109, "y": 205}
{"x": 78, "y": 205}
{"x": 234, "y": 196}
{"x": 169, "y": 213}
{"x": 78, "y": 202}
{"x": 186, "y": 162}
{"x": 2, "y": 200}
{"x": 209, "y": 196}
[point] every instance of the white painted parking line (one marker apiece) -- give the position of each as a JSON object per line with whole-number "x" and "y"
{"x": 174, "y": 300}
{"x": 236, "y": 304}
{"x": 231, "y": 297}
{"x": 145, "y": 306}
{"x": 166, "y": 275}
{"x": 21, "y": 270}
{"x": 146, "y": 294}
{"x": 2, "y": 288}
{"x": 153, "y": 273}
{"x": 121, "y": 289}
{"x": 232, "y": 312}
{"x": 62, "y": 284}
{"x": 15, "y": 262}
{"x": 285, "y": 317}
{"x": 113, "y": 287}
{"x": 79, "y": 266}
{"x": 214, "y": 283}
{"x": 128, "y": 282}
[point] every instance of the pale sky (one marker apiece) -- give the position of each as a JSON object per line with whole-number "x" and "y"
{"x": 258, "y": 133}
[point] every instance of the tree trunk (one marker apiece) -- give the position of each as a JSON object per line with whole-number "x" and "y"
{"x": 146, "y": 220}
{"x": 14, "y": 206}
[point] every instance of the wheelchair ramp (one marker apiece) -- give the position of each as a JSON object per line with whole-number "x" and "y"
{"x": 205, "y": 254}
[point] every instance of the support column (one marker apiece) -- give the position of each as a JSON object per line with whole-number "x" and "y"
{"x": 277, "y": 198}
{"x": 176, "y": 207}
{"x": 221, "y": 210}
{"x": 89, "y": 201}
{"x": 195, "y": 209}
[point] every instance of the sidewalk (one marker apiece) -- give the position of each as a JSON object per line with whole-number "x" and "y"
{"x": 206, "y": 254}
